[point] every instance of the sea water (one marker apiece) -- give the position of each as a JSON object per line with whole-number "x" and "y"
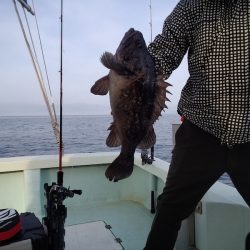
{"x": 33, "y": 135}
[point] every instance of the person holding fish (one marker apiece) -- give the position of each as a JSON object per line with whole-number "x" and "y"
{"x": 214, "y": 137}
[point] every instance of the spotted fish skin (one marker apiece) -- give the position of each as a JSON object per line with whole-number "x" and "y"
{"x": 137, "y": 98}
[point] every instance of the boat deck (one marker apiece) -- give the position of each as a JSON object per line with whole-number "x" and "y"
{"x": 91, "y": 236}
{"x": 129, "y": 222}
{"x": 221, "y": 222}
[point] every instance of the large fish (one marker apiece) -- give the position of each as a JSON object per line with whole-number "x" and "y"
{"x": 137, "y": 97}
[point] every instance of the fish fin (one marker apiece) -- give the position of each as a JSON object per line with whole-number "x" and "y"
{"x": 121, "y": 168}
{"x": 149, "y": 140}
{"x": 101, "y": 87}
{"x": 109, "y": 61}
{"x": 113, "y": 139}
{"x": 160, "y": 97}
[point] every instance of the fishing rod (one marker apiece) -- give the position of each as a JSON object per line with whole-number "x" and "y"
{"x": 151, "y": 21}
{"x": 60, "y": 172}
{"x": 146, "y": 159}
{"x": 56, "y": 193}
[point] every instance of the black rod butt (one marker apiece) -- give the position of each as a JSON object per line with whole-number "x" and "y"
{"x": 60, "y": 178}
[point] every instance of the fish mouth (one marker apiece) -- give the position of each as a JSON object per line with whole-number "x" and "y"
{"x": 131, "y": 49}
{"x": 132, "y": 34}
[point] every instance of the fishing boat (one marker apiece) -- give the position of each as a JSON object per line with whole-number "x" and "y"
{"x": 119, "y": 215}
{"x": 114, "y": 216}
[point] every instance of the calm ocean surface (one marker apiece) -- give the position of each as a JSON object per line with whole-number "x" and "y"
{"x": 33, "y": 135}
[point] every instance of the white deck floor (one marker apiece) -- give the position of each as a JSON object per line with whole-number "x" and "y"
{"x": 90, "y": 236}
{"x": 129, "y": 221}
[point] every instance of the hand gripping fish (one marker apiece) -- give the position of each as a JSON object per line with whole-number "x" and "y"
{"x": 137, "y": 97}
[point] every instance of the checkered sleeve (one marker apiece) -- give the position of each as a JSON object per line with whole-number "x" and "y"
{"x": 169, "y": 48}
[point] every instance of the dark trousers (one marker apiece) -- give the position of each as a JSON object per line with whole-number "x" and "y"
{"x": 198, "y": 160}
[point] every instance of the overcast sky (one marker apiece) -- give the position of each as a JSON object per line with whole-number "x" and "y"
{"x": 90, "y": 28}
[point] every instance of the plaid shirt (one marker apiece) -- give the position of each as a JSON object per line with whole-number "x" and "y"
{"x": 216, "y": 35}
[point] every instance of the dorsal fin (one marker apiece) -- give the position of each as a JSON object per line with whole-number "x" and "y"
{"x": 160, "y": 97}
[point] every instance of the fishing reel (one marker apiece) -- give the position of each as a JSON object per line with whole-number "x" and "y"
{"x": 57, "y": 194}
{"x": 56, "y": 213}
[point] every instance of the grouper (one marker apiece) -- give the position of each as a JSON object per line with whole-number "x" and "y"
{"x": 137, "y": 98}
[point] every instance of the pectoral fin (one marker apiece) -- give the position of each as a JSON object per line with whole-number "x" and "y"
{"x": 110, "y": 61}
{"x": 101, "y": 87}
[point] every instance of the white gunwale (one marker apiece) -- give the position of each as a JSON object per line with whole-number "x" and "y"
{"x": 159, "y": 167}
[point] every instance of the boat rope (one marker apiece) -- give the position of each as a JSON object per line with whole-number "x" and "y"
{"x": 44, "y": 63}
{"x": 32, "y": 42}
{"x": 37, "y": 61}
{"x": 38, "y": 72}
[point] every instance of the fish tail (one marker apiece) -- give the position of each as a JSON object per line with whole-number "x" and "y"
{"x": 120, "y": 168}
